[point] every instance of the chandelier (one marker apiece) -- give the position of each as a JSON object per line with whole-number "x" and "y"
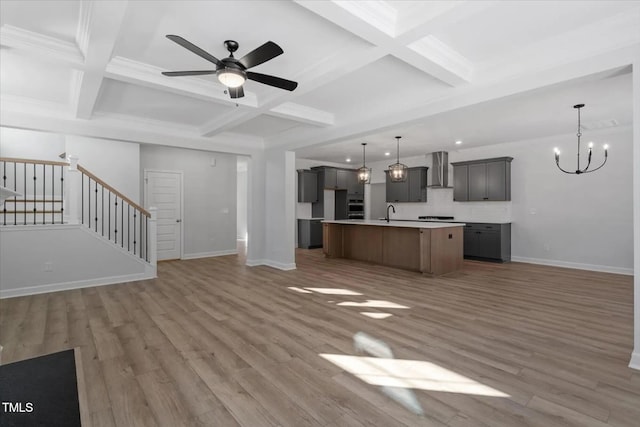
{"x": 398, "y": 171}
{"x": 364, "y": 173}
{"x": 586, "y": 168}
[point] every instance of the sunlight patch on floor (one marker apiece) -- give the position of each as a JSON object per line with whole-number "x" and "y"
{"x": 333, "y": 291}
{"x": 302, "y": 291}
{"x": 415, "y": 374}
{"x": 372, "y": 303}
{"x": 376, "y": 315}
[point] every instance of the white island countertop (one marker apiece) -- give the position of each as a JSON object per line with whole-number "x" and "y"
{"x": 392, "y": 223}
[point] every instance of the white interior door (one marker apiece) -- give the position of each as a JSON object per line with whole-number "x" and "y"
{"x": 163, "y": 190}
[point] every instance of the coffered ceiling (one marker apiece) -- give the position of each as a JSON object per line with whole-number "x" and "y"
{"x": 433, "y": 71}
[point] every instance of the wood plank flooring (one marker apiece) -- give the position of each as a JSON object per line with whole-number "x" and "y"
{"x": 212, "y": 342}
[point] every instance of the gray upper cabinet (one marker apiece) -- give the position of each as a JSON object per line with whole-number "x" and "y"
{"x": 353, "y": 187}
{"x": 330, "y": 178}
{"x": 460, "y": 183}
{"x": 414, "y": 189}
{"x": 307, "y": 186}
{"x": 482, "y": 180}
{"x": 342, "y": 178}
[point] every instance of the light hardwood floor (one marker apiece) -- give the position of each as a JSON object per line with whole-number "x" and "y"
{"x": 213, "y": 342}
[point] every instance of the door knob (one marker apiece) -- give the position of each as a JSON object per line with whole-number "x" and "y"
{"x": 178, "y": 220}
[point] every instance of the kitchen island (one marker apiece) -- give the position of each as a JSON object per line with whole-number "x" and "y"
{"x": 429, "y": 247}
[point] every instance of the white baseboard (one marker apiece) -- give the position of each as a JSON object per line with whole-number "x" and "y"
{"x": 270, "y": 263}
{"x": 576, "y": 265}
{"x": 635, "y": 360}
{"x": 56, "y": 287}
{"x": 210, "y": 254}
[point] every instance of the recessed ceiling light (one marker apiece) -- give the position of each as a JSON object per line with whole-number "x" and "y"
{"x": 458, "y": 142}
{"x": 387, "y": 153}
{"x": 348, "y": 159}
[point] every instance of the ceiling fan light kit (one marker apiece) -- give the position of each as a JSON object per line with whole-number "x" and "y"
{"x": 233, "y": 72}
{"x": 579, "y": 171}
{"x": 397, "y": 171}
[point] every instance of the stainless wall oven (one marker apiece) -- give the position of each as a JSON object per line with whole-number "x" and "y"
{"x": 355, "y": 209}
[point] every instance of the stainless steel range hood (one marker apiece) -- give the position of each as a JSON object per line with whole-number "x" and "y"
{"x": 440, "y": 170}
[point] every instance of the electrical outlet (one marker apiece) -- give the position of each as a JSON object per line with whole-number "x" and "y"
{"x": 48, "y": 266}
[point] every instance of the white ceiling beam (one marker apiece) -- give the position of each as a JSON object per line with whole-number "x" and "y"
{"x": 303, "y": 113}
{"x": 373, "y": 26}
{"x": 41, "y": 46}
{"x": 98, "y": 29}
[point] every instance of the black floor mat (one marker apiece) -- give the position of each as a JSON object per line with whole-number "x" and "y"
{"x": 41, "y": 391}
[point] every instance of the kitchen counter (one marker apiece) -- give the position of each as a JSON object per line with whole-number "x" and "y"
{"x": 397, "y": 223}
{"x": 428, "y": 247}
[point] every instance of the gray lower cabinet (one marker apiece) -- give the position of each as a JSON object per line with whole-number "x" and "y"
{"x": 487, "y": 241}
{"x": 414, "y": 189}
{"x": 307, "y": 186}
{"x": 482, "y": 180}
{"x": 309, "y": 233}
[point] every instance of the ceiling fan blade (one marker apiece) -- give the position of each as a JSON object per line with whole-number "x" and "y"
{"x": 261, "y": 54}
{"x": 187, "y": 73}
{"x": 272, "y": 81}
{"x": 236, "y": 92}
{"x": 195, "y": 49}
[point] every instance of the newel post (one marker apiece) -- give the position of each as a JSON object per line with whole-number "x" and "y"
{"x": 153, "y": 228}
{"x": 73, "y": 189}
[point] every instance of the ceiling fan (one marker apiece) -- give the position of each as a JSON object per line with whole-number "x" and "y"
{"x": 233, "y": 72}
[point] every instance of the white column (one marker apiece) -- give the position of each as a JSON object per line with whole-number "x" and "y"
{"x": 635, "y": 357}
{"x": 73, "y": 193}
{"x": 255, "y": 209}
{"x": 280, "y": 207}
{"x": 153, "y": 229}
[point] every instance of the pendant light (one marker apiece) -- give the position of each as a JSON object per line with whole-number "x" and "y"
{"x": 586, "y": 168}
{"x": 398, "y": 171}
{"x": 364, "y": 173}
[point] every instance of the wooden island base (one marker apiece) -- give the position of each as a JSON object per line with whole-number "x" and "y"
{"x": 433, "y": 250}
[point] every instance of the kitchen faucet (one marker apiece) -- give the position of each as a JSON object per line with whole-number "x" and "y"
{"x": 394, "y": 211}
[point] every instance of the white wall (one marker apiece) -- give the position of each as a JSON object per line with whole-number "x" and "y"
{"x": 75, "y": 256}
{"x": 209, "y": 218}
{"x": 241, "y": 215}
{"x": 575, "y": 221}
{"x": 28, "y": 144}
{"x": 635, "y": 357}
{"x": 115, "y": 162}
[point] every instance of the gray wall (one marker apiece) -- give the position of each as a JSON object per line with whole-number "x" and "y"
{"x": 209, "y": 217}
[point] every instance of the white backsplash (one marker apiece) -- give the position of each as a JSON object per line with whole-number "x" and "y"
{"x": 440, "y": 203}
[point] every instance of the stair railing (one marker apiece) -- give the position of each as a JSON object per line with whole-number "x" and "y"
{"x": 43, "y": 181}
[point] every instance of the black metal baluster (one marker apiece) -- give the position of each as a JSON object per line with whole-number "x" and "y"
{"x": 15, "y": 188}
{"x": 34, "y": 194}
{"x": 53, "y": 194}
{"x": 96, "y": 218}
{"x": 82, "y": 199}
{"x": 4, "y": 184}
{"x": 134, "y": 231}
{"x": 102, "y": 206}
{"x": 146, "y": 236}
{"x": 62, "y": 194}
{"x": 109, "y": 209}
{"x": 122, "y": 223}
{"x": 128, "y": 228}
{"x": 89, "y": 201}
{"x": 115, "y": 221}
{"x": 25, "y": 194}
{"x": 44, "y": 193}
